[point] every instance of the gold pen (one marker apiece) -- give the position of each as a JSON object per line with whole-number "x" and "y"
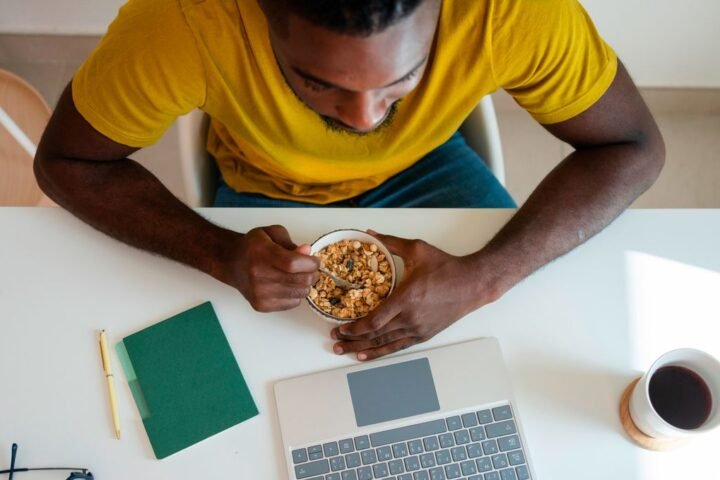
{"x": 111, "y": 385}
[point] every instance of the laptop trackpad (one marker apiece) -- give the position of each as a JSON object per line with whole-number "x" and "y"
{"x": 391, "y": 392}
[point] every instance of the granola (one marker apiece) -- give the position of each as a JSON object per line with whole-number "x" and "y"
{"x": 356, "y": 262}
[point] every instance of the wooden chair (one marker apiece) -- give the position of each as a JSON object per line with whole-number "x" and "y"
{"x": 23, "y": 117}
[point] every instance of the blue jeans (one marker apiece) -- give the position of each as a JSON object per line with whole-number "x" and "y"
{"x": 451, "y": 176}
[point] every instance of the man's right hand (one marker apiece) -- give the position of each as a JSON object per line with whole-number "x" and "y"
{"x": 270, "y": 270}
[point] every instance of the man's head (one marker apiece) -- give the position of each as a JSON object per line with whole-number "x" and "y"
{"x": 351, "y": 61}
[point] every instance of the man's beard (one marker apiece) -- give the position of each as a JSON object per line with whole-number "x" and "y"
{"x": 334, "y": 126}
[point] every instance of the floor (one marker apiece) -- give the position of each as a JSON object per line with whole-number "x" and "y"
{"x": 688, "y": 118}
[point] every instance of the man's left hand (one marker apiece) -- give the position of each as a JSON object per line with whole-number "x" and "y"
{"x": 437, "y": 290}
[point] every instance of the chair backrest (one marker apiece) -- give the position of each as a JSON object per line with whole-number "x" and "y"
{"x": 198, "y": 171}
{"x": 23, "y": 117}
{"x": 482, "y": 134}
{"x": 480, "y": 131}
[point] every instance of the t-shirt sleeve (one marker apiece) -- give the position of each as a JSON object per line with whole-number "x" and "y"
{"x": 549, "y": 57}
{"x": 145, "y": 72}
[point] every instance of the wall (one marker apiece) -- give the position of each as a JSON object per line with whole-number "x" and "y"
{"x": 664, "y": 43}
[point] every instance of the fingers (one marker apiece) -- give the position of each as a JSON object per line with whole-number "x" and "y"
{"x": 283, "y": 256}
{"x": 396, "y": 245}
{"x": 383, "y": 345}
{"x": 350, "y": 346}
{"x": 280, "y": 235}
{"x": 371, "y": 325}
{"x": 291, "y": 279}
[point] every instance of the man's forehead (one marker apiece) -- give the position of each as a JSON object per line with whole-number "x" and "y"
{"x": 360, "y": 62}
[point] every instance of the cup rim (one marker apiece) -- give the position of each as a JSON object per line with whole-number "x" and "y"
{"x": 662, "y": 362}
{"x": 342, "y": 321}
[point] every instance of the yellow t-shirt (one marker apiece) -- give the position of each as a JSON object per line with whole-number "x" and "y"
{"x": 163, "y": 58}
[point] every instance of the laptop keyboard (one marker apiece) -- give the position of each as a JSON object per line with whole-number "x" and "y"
{"x": 477, "y": 445}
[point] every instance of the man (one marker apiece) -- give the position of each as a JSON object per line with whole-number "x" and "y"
{"x": 350, "y": 102}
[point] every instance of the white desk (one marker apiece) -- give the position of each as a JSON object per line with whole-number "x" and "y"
{"x": 573, "y": 335}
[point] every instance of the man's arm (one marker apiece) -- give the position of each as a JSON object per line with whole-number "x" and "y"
{"x": 91, "y": 176}
{"x": 619, "y": 154}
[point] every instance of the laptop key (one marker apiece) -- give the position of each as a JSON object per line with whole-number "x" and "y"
{"x": 362, "y": 442}
{"x": 415, "y": 447}
{"x": 458, "y": 454}
{"x": 421, "y": 475}
{"x": 349, "y": 475}
{"x": 442, "y": 457}
{"x": 333, "y": 476}
{"x": 454, "y": 423}
{"x": 412, "y": 463}
{"x": 312, "y": 469}
{"x": 477, "y": 434}
{"x": 508, "y": 443}
{"x": 437, "y": 473}
{"x": 469, "y": 420}
{"x": 522, "y": 472}
{"x": 427, "y": 460}
{"x": 299, "y": 456}
{"x": 411, "y": 432}
{"x": 502, "y": 413}
{"x": 400, "y": 450}
{"x": 490, "y": 447}
{"x": 492, "y": 476}
{"x": 462, "y": 437}
{"x": 368, "y": 457}
{"x": 396, "y": 467}
{"x": 452, "y": 471}
{"x": 516, "y": 458}
{"x": 508, "y": 474}
{"x": 405, "y": 476}
{"x": 484, "y": 416}
{"x": 346, "y": 445}
{"x": 315, "y": 452}
{"x": 499, "y": 461}
{"x": 364, "y": 473}
{"x": 501, "y": 428}
{"x": 331, "y": 449}
{"x": 468, "y": 467}
{"x": 431, "y": 444}
{"x": 380, "y": 470}
{"x": 384, "y": 454}
{"x": 483, "y": 464}
{"x": 446, "y": 440}
{"x": 352, "y": 460}
{"x": 337, "y": 464}
{"x": 474, "y": 450}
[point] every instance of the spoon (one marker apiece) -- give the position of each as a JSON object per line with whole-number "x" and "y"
{"x": 339, "y": 281}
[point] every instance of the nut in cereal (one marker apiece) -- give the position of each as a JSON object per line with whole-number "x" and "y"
{"x": 358, "y": 263}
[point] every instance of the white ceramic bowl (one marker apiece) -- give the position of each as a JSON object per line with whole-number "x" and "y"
{"x": 340, "y": 235}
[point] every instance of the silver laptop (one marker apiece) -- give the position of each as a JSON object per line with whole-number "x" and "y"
{"x": 440, "y": 414}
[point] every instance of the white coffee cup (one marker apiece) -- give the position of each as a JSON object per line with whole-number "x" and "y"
{"x": 645, "y": 416}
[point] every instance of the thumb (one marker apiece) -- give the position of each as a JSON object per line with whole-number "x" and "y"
{"x": 305, "y": 249}
{"x": 397, "y": 245}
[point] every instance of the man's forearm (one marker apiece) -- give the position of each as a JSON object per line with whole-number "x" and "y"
{"x": 582, "y": 195}
{"x": 124, "y": 200}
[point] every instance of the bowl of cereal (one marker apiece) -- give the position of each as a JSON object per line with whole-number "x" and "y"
{"x": 357, "y": 258}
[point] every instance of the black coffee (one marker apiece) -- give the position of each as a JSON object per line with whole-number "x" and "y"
{"x": 680, "y": 396}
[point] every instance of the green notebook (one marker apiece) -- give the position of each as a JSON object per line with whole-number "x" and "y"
{"x": 185, "y": 380}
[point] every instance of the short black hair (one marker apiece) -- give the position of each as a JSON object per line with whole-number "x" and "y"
{"x": 352, "y": 17}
